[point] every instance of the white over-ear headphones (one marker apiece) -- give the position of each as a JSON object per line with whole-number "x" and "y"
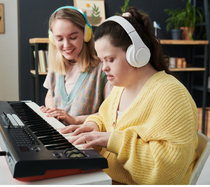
{"x": 137, "y": 54}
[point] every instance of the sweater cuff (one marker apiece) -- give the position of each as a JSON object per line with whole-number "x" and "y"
{"x": 115, "y": 141}
{"x": 96, "y": 119}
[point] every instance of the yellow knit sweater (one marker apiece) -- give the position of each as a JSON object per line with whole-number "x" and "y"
{"x": 154, "y": 140}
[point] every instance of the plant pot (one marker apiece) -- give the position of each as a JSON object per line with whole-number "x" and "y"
{"x": 185, "y": 34}
{"x": 176, "y": 34}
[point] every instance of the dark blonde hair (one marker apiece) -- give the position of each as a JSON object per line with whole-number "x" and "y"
{"x": 87, "y": 57}
{"x": 142, "y": 24}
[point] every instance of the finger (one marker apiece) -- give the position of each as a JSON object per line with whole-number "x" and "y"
{"x": 62, "y": 118}
{"x": 51, "y": 110}
{"x": 53, "y": 114}
{"x": 41, "y": 107}
{"x": 46, "y": 109}
{"x": 80, "y": 139}
{"x": 80, "y": 130}
{"x": 89, "y": 145}
{"x": 69, "y": 129}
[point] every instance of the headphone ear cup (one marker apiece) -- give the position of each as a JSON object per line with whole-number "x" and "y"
{"x": 87, "y": 33}
{"x": 51, "y": 37}
{"x": 130, "y": 56}
{"x": 141, "y": 58}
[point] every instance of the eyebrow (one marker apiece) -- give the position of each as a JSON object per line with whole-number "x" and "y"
{"x": 105, "y": 58}
{"x": 108, "y": 56}
{"x": 68, "y": 35}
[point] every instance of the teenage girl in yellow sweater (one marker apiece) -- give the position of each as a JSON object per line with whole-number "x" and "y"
{"x": 147, "y": 127}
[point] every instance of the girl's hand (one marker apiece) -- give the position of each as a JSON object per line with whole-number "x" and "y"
{"x": 93, "y": 138}
{"x": 44, "y": 109}
{"x": 59, "y": 114}
{"x": 77, "y": 129}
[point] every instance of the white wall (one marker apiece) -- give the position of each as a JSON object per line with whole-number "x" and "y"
{"x": 9, "y": 79}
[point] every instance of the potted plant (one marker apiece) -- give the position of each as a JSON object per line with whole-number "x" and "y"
{"x": 123, "y": 8}
{"x": 189, "y": 17}
{"x": 174, "y": 23}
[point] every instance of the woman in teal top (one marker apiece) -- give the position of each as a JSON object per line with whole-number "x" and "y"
{"x": 76, "y": 83}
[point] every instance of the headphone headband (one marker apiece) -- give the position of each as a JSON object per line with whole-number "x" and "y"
{"x": 74, "y": 8}
{"x": 131, "y": 31}
{"x": 138, "y": 54}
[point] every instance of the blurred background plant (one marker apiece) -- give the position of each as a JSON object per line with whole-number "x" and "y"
{"x": 174, "y": 21}
{"x": 187, "y": 17}
{"x": 123, "y": 8}
{"x": 191, "y": 16}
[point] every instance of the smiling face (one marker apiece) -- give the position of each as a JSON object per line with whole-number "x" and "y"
{"x": 115, "y": 65}
{"x": 68, "y": 38}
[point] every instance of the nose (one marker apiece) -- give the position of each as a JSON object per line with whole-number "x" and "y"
{"x": 105, "y": 67}
{"x": 66, "y": 43}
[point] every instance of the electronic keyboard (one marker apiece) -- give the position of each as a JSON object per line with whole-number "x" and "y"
{"x": 35, "y": 148}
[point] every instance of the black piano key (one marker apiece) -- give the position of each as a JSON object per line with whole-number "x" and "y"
{"x": 62, "y": 143}
{"x": 59, "y": 147}
{"x": 40, "y": 127}
{"x": 50, "y": 138}
{"x": 44, "y": 130}
{"x": 31, "y": 120}
{"x": 50, "y": 132}
{"x": 56, "y": 141}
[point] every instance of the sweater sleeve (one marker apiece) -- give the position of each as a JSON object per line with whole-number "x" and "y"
{"x": 162, "y": 149}
{"x": 97, "y": 119}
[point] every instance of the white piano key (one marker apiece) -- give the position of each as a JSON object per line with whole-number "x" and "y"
{"x": 67, "y": 136}
{"x": 57, "y": 125}
{"x": 79, "y": 146}
{"x": 51, "y": 120}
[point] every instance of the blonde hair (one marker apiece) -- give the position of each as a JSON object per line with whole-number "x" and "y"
{"x": 87, "y": 57}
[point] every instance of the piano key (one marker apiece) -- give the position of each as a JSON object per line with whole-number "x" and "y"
{"x": 56, "y": 143}
{"x": 80, "y": 146}
{"x": 47, "y": 140}
{"x": 37, "y": 128}
{"x": 44, "y": 130}
{"x": 51, "y": 120}
{"x": 59, "y": 145}
{"x": 57, "y": 125}
{"x": 50, "y": 133}
{"x": 67, "y": 136}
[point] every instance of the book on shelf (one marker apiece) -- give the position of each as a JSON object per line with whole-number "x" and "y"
{"x": 46, "y": 57}
{"x": 42, "y": 61}
{"x": 38, "y": 62}
{"x": 207, "y": 121}
{"x": 175, "y": 62}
